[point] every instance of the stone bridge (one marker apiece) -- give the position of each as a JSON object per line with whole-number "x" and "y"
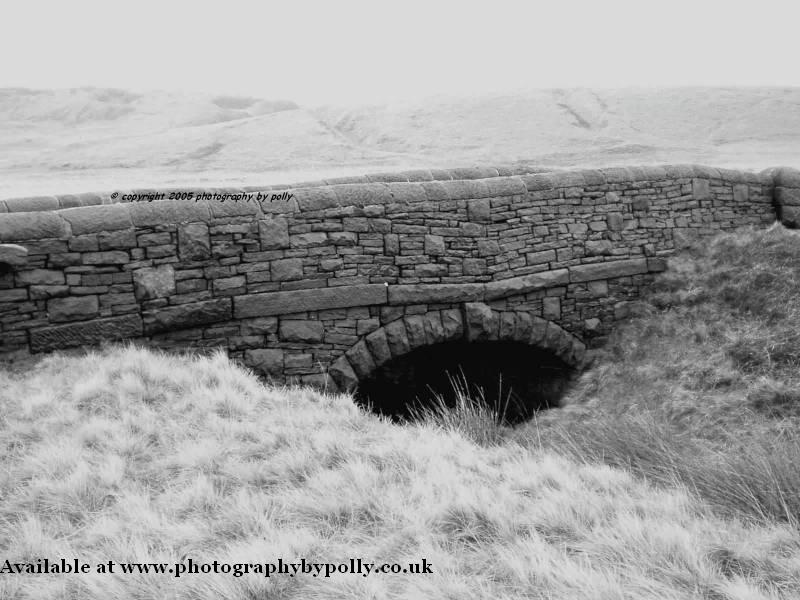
{"x": 323, "y": 283}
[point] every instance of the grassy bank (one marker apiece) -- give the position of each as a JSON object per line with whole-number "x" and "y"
{"x": 132, "y": 456}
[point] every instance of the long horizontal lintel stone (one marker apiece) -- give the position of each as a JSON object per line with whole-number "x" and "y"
{"x": 281, "y": 303}
{"x": 608, "y": 270}
{"x": 436, "y": 293}
{"x": 86, "y": 333}
{"x": 187, "y": 315}
{"x": 526, "y": 283}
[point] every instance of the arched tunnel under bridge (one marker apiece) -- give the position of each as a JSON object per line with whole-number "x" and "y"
{"x": 514, "y": 362}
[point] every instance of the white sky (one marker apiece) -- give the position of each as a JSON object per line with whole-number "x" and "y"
{"x": 356, "y": 51}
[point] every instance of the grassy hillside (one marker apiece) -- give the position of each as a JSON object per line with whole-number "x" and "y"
{"x": 131, "y": 456}
{"x": 64, "y": 141}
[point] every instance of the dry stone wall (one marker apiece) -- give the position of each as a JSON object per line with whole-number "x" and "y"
{"x": 342, "y": 277}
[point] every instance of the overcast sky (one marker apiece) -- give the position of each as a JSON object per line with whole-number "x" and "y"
{"x": 347, "y": 51}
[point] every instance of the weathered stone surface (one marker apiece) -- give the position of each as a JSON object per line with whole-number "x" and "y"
{"x": 607, "y": 270}
{"x": 281, "y": 303}
{"x": 508, "y": 324}
{"x": 13, "y": 255}
{"x": 361, "y": 359}
{"x": 523, "y": 327}
{"x": 154, "y": 282}
{"x": 301, "y": 331}
{"x": 86, "y": 333}
{"x": 148, "y": 214}
{"x": 32, "y": 226}
{"x": 526, "y": 283}
{"x": 435, "y": 293}
{"x": 415, "y": 329}
{"x": 343, "y": 374}
{"x": 551, "y": 308}
{"x": 434, "y": 330}
{"x": 379, "y": 347}
{"x": 790, "y": 216}
{"x": 287, "y": 269}
{"x": 480, "y": 211}
{"x": 93, "y": 219}
{"x": 453, "y": 324}
{"x": 111, "y": 257}
{"x": 591, "y": 325}
{"x": 397, "y": 338}
{"x": 40, "y": 277}
{"x": 323, "y": 257}
{"x": 701, "y": 190}
{"x": 194, "y": 242}
{"x": 268, "y": 361}
{"x": 274, "y": 233}
{"x": 538, "y": 331}
{"x": 599, "y": 248}
{"x": 481, "y": 322}
{"x": 319, "y": 198}
{"x": 77, "y": 308}
{"x": 615, "y": 221}
{"x": 787, "y": 196}
{"x": 43, "y": 292}
{"x": 187, "y": 315}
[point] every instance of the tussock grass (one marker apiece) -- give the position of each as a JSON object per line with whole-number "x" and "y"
{"x": 704, "y": 390}
{"x": 132, "y": 455}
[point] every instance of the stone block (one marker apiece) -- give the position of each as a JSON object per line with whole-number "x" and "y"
{"x": 274, "y": 233}
{"x": 183, "y": 316}
{"x": 40, "y": 277}
{"x": 787, "y": 196}
{"x": 741, "y": 192}
{"x": 154, "y": 282}
{"x": 480, "y": 322}
{"x": 301, "y": 331}
{"x": 598, "y": 289}
{"x": 599, "y": 248}
{"x": 32, "y": 226}
{"x": 194, "y": 242}
{"x": 397, "y": 338}
{"x": 434, "y": 330}
{"x": 453, "y": 324}
{"x": 434, "y": 245}
{"x": 93, "y": 219}
{"x": 701, "y": 190}
{"x": 437, "y": 293}
{"x": 115, "y": 240}
{"x": 267, "y": 361}
{"x": 479, "y": 211}
{"x": 361, "y": 360}
{"x": 608, "y": 270}
{"x": 379, "y": 347}
{"x": 111, "y": 257}
{"x": 282, "y": 303}
{"x": 43, "y": 292}
{"x": 76, "y": 308}
{"x": 13, "y": 255}
{"x": 86, "y": 333}
{"x": 551, "y": 308}
{"x": 149, "y": 214}
{"x": 526, "y": 283}
{"x": 342, "y": 373}
{"x": 415, "y": 329}
{"x": 615, "y": 221}
{"x": 287, "y": 269}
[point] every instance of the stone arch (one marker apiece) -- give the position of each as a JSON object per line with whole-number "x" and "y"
{"x": 475, "y": 322}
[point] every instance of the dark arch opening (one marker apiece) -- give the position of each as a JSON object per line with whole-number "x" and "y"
{"x": 515, "y": 379}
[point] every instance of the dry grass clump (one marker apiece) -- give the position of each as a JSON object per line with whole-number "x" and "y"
{"x": 136, "y": 456}
{"x": 704, "y": 391}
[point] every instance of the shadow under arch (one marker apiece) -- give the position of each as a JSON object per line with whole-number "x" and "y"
{"x": 475, "y": 334}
